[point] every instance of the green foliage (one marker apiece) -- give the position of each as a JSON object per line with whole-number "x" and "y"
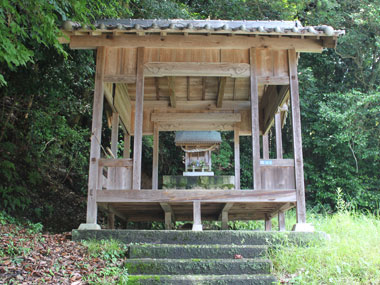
{"x": 106, "y": 249}
{"x": 112, "y": 252}
{"x": 351, "y": 256}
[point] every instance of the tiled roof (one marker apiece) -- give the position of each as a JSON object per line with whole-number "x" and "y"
{"x": 206, "y": 26}
{"x": 197, "y": 137}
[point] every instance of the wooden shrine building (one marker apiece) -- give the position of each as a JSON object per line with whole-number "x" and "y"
{"x": 203, "y": 75}
{"x": 198, "y": 146}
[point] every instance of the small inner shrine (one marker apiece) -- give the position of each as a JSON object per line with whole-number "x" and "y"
{"x": 197, "y": 146}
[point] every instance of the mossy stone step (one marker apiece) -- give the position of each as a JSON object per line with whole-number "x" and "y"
{"x": 198, "y": 266}
{"x": 257, "y": 279}
{"x": 174, "y": 251}
{"x": 193, "y": 237}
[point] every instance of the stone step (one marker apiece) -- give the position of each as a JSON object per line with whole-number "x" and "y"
{"x": 198, "y": 266}
{"x": 257, "y": 279}
{"x": 175, "y": 251}
{"x": 193, "y": 237}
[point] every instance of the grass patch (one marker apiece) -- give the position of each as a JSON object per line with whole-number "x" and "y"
{"x": 351, "y": 256}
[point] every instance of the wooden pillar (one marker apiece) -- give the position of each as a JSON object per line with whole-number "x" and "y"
{"x": 237, "y": 155}
{"x": 279, "y": 154}
{"x": 279, "y": 151}
{"x": 115, "y": 133}
{"x": 197, "y": 223}
{"x": 155, "y": 157}
{"x": 112, "y": 170}
{"x": 96, "y": 135}
{"x": 224, "y": 220}
{"x": 297, "y": 139}
{"x": 265, "y": 146}
{"x": 139, "y": 108}
{"x": 268, "y": 223}
{"x": 255, "y": 121}
{"x": 127, "y": 146}
{"x": 111, "y": 221}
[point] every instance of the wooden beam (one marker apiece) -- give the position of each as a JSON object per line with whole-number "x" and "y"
{"x": 96, "y": 135}
{"x": 115, "y": 162}
{"x": 196, "y": 41}
{"x": 197, "y": 222}
{"x": 220, "y": 96}
{"x": 279, "y": 151}
{"x": 131, "y": 79}
{"x": 139, "y": 107}
{"x": 217, "y": 196}
{"x": 209, "y": 126}
{"x": 265, "y": 147}
{"x": 196, "y": 117}
{"x": 155, "y": 157}
{"x": 297, "y": 139}
{"x": 255, "y": 121}
{"x": 199, "y": 104}
{"x": 204, "y": 69}
{"x": 237, "y": 155}
{"x": 171, "y": 87}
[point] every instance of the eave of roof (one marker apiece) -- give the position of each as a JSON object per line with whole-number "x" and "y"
{"x": 191, "y": 137}
{"x": 141, "y": 26}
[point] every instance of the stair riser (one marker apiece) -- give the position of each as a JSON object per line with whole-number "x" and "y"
{"x": 190, "y": 237}
{"x": 209, "y": 267}
{"x": 191, "y": 252}
{"x": 224, "y": 280}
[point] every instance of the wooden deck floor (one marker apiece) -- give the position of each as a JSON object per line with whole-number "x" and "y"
{"x": 146, "y": 205}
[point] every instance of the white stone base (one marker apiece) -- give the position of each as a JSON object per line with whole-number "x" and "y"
{"x": 303, "y": 227}
{"x": 89, "y": 227}
{"x": 197, "y": 228}
{"x": 195, "y": 173}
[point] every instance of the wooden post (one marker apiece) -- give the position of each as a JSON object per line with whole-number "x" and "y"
{"x": 155, "y": 157}
{"x": 297, "y": 139}
{"x": 112, "y": 170}
{"x": 114, "y": 133}
{"x": 197, "y": 223}
{"x": 268, "y": 223}
{"x": 279, "y": 154}
{"x": 111, "y": 221}
{"x": 224, "y": 220}
{"x": 127, "y": 146}
{"x": 265, "y": 147}
{"x": 139, "y": 108}
{"x": 97, "y": 112}
{"x": 237, "y": 155}
{"x": 279, "y": 151}
{"x": 255, "y": 121}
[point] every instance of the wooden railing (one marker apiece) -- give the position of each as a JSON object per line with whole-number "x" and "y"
{"x": 277, "y": 174}
{"x": 119, "y": 173}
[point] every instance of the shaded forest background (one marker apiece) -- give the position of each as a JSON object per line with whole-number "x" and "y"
{"x": 46, "y": 100}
